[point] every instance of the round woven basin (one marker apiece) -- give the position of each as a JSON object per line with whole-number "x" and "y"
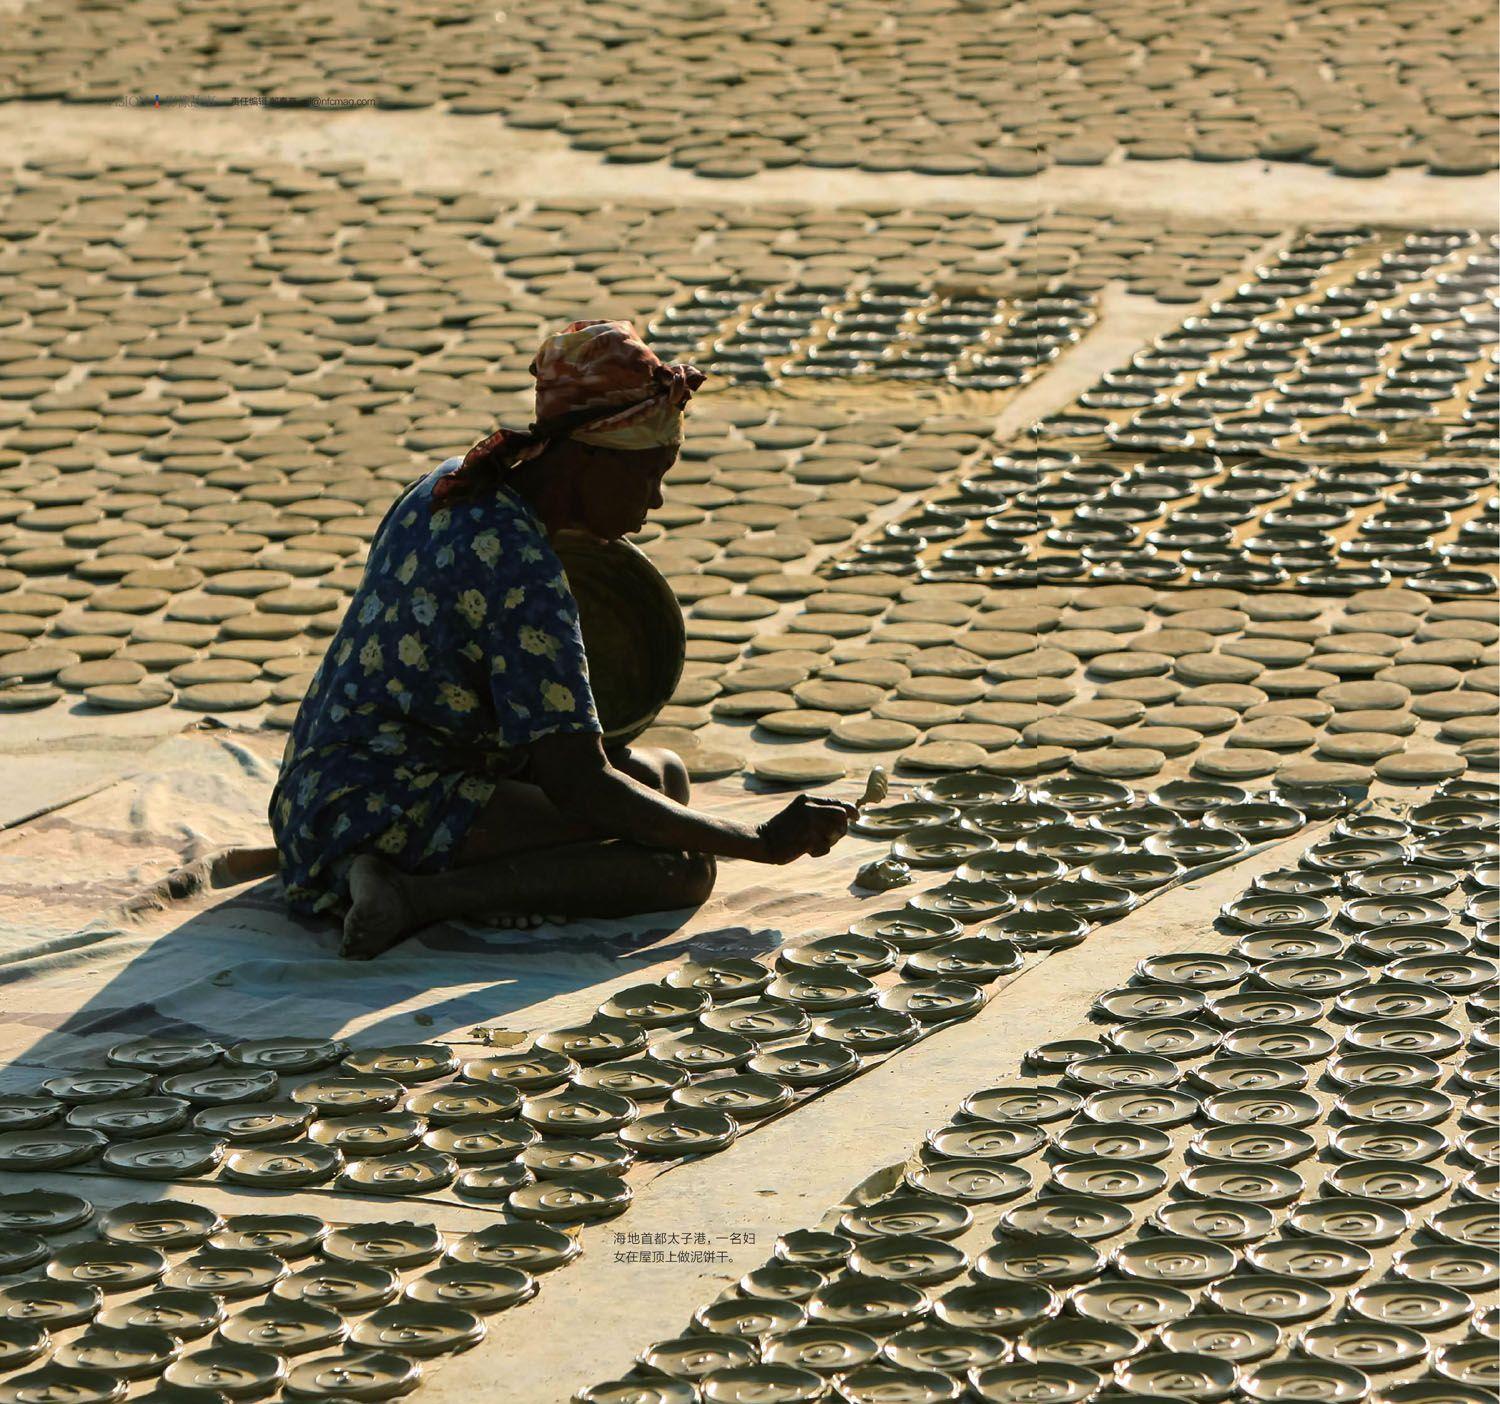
{"x": 632, "y": 631}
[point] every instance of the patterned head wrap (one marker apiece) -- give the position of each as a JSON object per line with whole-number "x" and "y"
{"x": 596, "y": 382}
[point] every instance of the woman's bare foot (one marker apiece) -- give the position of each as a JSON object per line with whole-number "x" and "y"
{"x": 380, "y": 913}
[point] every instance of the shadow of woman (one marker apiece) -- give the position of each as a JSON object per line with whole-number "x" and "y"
{"x": 243, "y": 966}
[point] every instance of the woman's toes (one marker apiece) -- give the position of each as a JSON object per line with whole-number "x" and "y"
{"x": 521, "y": 921}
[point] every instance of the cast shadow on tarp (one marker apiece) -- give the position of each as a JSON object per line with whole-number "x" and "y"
{"x": 242, "y": 966}
{"x": 246, "y": 967}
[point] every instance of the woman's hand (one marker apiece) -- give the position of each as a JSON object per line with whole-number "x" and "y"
{"x": 575, "y": 774}
{"x": 805, "y": 826}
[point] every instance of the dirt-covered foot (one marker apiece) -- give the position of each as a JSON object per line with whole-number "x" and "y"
{"x": 379, "y": 912}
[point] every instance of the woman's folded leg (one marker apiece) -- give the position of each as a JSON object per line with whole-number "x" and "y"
{"x": 519, "y": 818}
{"x": 593, "y": 878}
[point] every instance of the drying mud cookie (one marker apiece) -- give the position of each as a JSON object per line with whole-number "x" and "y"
{"x": 1240, "y": 763}
{"x": 1416, "y": 766}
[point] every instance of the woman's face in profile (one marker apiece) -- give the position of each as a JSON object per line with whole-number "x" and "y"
{"x": 618, "y": 489}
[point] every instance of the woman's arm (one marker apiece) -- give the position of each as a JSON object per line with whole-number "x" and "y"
{"x": 572, "y": 770}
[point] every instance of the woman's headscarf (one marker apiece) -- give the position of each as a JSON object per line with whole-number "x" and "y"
{"x": 596, "y": 382}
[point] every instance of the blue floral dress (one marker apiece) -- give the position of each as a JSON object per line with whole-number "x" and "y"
{"x": 460, "y": 645}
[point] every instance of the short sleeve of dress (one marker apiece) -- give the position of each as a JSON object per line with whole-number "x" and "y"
{"x": 539, "y": 675}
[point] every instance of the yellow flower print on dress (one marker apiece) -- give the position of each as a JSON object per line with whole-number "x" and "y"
{"x": 411, "y": 652}
{"x": 471, "y": 604}
{"x": 487, "y": 547}
{"x": 407, "y": 569}
{"x": 539, "y": 642}
{"x": 458, "y": 699}
{"x": 393, "y": 840}
{"x": 371, "y": 656}
{"x": 557, "y": 698}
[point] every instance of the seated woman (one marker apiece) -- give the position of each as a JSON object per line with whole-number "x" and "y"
{"x": 447, "y": 759}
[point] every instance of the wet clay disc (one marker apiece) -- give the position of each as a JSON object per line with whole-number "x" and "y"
{"x": 43, "y": 1211}
{"x": 22, "y": 1342}
{"x": 1138, "y": 1304}
{"x": 48, "y": 1148}
{"x": 1270, "y": 1297}
{"x": 1230, "y": 1337}
{"x": 361, "y": 1375}
{"x": 475, "y": 1287}
{"x": 305, "y": 1164}
{"x": 112, "y": 1267}
{"x": 420, "y": 1328}
{"x": 1306, "y": 1378}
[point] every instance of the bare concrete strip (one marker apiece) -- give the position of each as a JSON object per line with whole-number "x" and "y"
{"x": 485, "y": 156}
{"x": 588, "y": 1319}
{"x": 1126, "y": 323}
